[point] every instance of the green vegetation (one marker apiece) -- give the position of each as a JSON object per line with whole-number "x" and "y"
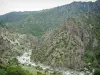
{"x": 38, "y": 22}
{"x": 38, "y": 71}
{"x": 16, "y": 70}
{"x": 2, "y": 24}
{"x": 14, "y": 44}
{"x": 97, "y": 72}
{"x": 13, "y": 61}
{"x": 13, "y": 70}
{"x": 73, "y": 41}
{"x": 35, "y": 71}
{"x": 75, "y": 44}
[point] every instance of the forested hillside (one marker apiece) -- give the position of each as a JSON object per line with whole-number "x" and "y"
{"x": 37, "y": 22}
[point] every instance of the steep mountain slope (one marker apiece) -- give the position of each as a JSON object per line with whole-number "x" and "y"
{"x": 37, "y": 22}
{"x": 4, "y": 49}
{"x": 72, "y": 45}
{"x": 14, "y": 44}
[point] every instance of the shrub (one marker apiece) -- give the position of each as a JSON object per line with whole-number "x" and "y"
{"x": 3, "y": 72}
{"x": 17, "y": 70}
{"x": 13, "y": 61}
{"x": 39, "y": 68}
{"x": 2, "y": 66}
{"x": 39, "y": 73}
{"x": 97, "y": 72}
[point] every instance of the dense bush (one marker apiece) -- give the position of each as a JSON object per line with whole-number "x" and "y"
{"x": 13, "y": 70}
{"x": 39, "y": 68}
{"x": 13, "y": 61}
{"x": 40, "y": 73}
{"x": 97, "y": 72}
{"x": 3, "y": 72}
{"x": 17, "y": 70}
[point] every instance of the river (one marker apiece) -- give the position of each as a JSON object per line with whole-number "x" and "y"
{"x": 25, "y": 59}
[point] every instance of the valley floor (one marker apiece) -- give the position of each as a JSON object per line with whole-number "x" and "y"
{"x": 32, "y": 67}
